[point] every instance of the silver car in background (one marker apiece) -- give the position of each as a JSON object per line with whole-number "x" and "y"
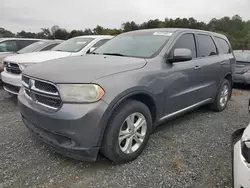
{"x": 42, "y": 45}
{"x": 242, "y": 70}
{"x": 9, "y": 46}
{"x": 77, "y": 46}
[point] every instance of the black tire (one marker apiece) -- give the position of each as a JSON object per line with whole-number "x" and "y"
{"x": 110, "y": 145}
{"x": 216, "y": 105}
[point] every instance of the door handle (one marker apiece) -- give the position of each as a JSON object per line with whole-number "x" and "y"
{"x": 197, "y": 67}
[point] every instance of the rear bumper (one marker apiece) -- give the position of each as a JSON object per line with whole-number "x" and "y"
{"x": 75, "y": 130}
{"x": 242, "y": 78}
{"x": 241, "y": 169}
{"x": 12, "y": 82}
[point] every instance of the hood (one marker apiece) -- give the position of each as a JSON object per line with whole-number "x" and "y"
{"x": 37, "y": 57}
{"x": 83, "y": 69}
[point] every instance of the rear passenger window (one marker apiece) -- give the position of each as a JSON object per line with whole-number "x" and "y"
{"x": 206, "y": 46}
{"x": 223, "y": 45}
{"x": 186, "y": 41}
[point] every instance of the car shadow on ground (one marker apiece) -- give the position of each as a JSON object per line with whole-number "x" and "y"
{"x": 103, "y": 162}
{"x": 241, "y": 87}
{"x": 181, "y": 118}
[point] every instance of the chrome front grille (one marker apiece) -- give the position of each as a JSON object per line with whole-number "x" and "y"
{"x": 12, "y": 67}
{"x": 41, "y": 92}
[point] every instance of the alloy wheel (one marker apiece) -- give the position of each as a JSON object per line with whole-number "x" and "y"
{"x": 132, "y": 133}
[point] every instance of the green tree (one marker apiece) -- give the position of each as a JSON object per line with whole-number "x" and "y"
{"x": 6, "y": 33}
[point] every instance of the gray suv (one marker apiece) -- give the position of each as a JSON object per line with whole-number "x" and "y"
{"x": 110, "y": 101}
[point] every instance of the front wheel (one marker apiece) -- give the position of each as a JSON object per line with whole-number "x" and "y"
{"x": 222, "y": 97}
{"x": 127, "y": 132}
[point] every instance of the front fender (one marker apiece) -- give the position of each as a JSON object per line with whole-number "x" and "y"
{"x": 118, "y": 100}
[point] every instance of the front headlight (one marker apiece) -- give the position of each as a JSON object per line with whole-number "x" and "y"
{"x": 80, "y": 92}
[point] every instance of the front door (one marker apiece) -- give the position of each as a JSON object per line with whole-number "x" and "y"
{"x": 182, "y": 79}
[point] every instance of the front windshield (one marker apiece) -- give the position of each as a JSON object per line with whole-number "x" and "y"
{"x": 243, "y": 56}
{"x": 73, "y": 45}
{"x": 144, "y": 44}
{"x": 31, "y": 48}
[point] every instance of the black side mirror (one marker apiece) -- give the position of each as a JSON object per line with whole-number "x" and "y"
{"x": 181, "y": 54}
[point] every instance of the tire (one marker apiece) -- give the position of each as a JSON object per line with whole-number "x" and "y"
{"x": 217, "y": 105}
{"x": 111, "y": 147}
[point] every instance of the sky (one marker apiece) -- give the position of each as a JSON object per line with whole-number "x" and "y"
{"x": 32, "y": 15}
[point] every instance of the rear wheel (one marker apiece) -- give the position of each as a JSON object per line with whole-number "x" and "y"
{"x": 128, "y": 132}
{"x": 222, "y": 97}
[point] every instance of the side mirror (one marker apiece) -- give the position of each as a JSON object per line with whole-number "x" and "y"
{"x": 181, "y": 54}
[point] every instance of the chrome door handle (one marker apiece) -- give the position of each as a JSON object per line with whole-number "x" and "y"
{"x": 197, "y": 67}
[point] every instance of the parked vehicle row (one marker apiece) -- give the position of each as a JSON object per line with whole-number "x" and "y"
{"x": 91, "y": 95}
{"x": 111, "y": 100}
{"x": 41, "y": 45}
{"x": 14, "y": 65}
{"x": 9, "y": 46}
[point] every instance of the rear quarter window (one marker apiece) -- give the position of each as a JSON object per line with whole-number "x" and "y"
{"x": 224, "y": 47}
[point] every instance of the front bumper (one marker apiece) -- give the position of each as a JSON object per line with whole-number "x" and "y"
{"x": 241, "y": 169}
{"x": 75, "y": 130}
{"x": 12, "y": 82}
{"x": 242, "y": 78}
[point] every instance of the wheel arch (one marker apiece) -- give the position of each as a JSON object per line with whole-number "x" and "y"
{"x": 141, "y": 95}
{"x": 229, "y": 77}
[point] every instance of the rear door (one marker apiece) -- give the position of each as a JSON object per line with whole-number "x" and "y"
{"x": 214, "y": 65}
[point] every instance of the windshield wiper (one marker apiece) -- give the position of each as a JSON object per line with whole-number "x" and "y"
{"x": 94, "y": 53}
{"x": 115, "y": 54}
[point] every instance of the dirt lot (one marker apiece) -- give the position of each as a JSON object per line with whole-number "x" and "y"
{"x": 190, "y": 151}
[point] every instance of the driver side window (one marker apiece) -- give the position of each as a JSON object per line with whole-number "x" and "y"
{"x": 186, "y": 41}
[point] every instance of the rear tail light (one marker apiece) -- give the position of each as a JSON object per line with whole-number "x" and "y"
{"x": 248, "y": 71}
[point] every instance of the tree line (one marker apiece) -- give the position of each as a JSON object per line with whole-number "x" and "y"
{"x": 236, "y": 29}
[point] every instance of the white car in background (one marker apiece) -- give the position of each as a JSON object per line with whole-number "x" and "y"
{"x": 241, "y": 157}
{"x": 77, "y": 46}
{"x": 41, "y": 45}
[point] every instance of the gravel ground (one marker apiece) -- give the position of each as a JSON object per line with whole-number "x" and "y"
{"x": 190, "y": 151}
